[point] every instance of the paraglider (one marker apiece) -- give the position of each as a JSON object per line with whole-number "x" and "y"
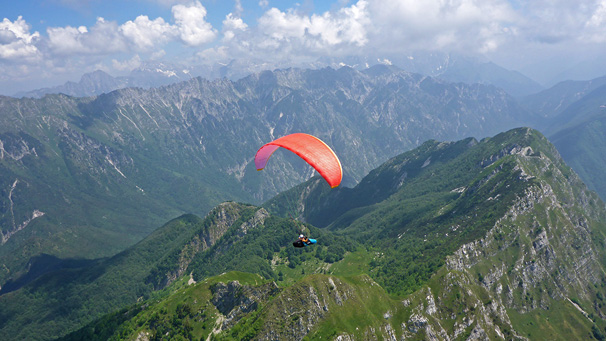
{"x": 303, "y": 241}
{"x": 315, "y": 152}
{"x": 311, "y": 149}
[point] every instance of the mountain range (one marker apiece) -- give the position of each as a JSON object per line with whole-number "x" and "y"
{"x": 450, "y": 67}
{"x": 85, "y": 182}
{"x": 495, "y": 238}
{"x": 86, "y": 177}
{"x": 148, "y": 75}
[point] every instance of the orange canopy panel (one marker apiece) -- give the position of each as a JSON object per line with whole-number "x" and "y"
{"x": 311, "y": 149}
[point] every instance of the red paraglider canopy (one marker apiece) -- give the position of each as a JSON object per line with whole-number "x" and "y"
{"x": 311, "y": 149}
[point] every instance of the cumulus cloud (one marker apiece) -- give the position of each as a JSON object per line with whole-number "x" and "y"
{"x": 16, "y": 42}
{"x": 146, "y": 34}
{"x": 158, "y": 54}
{"x": 387, "y": 27}
{"x": 192, "y": 26}
{"x": 214, "y": 54}
{"x": 280, "y": 25}
{"x": 375, "y": 27}
{"x": 596, "y": 25}
{"x": 103, "y": 38}
{"x": 170, "y": 3}
{"x": 433, "y": 24}
{"x": 231, "y": 25}
{"x": 127, "y": 65}
{"x": 141, "y": 34}
{"x": 346, "y": 27}
{"x": 238, "y": 9}
{"x": 67, "y": 40}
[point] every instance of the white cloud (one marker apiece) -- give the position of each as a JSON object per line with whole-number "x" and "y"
{"x": 400, "y": 26}
{"x": 140, "y": 35}
{"x": 596, "y": 25}
{"x": 102, "y": 39}
{"x": 193, "y": 29}
{"x": 238, "y": 9}
{"x": 263, "y": 3}
{"x": 467, "y": 25}
{"x": 16, "y": 42}
{"x": 70, "y": 50}
{"x": 231, "y": 24}
{"x": 170, "y": 3}
{"x": 158, "y": 54}
{"x": 214, "y": 54}
{"x": 66, "y": 40}
{"x": 283, "y": 25}
{"x": 347, "y": 26}
{"x": 146, "y": 34}
{"x": 384, "y": 61}
{"x": 127, "y": 65}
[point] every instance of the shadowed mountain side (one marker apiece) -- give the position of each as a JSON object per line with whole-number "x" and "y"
{"x": 551, "y": 102}
{"x": 584, "y": 149}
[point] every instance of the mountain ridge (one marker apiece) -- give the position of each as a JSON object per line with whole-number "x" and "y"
{"x": 522, "y": 236}
{"x": 450, "y": 67}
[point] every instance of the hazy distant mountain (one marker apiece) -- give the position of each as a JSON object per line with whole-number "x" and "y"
{"x": 454, "y": 68}
{"x": 154, "y": 74}
{"x": 551, "y": 102}
{"x": 572, "y": 115}
{"x": 91, "y": 84}
{"x": 451, "y": 67}
{"x": 589, "y": 106}
{"x": 515, "y": 83}
{"x": 583, "y": 146}
{"x": 150, "y": 74}
{"x": 579, "y": 134}
{"x": 581, "y": 70}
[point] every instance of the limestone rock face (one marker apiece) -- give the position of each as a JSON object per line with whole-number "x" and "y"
{"x": 235, "y": 300}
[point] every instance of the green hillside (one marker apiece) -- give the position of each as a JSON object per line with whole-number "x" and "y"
{"x": 424, "y": 204}
{"x": 65, "y": 299}
{"x": 232, "y": 237}
{"x": 490, "y": 239}
{"x": 237, "y": 306}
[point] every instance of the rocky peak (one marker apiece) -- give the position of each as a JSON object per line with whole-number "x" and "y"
{"x": 542, "y": 250}
{"x": 216, "y": 224}
{"x": 234, "y": 300}
{"x": 298, "y": 309}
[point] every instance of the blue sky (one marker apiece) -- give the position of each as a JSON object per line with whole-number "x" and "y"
{"x": 47, "y": 42}
{"x": 41, "y": 14}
